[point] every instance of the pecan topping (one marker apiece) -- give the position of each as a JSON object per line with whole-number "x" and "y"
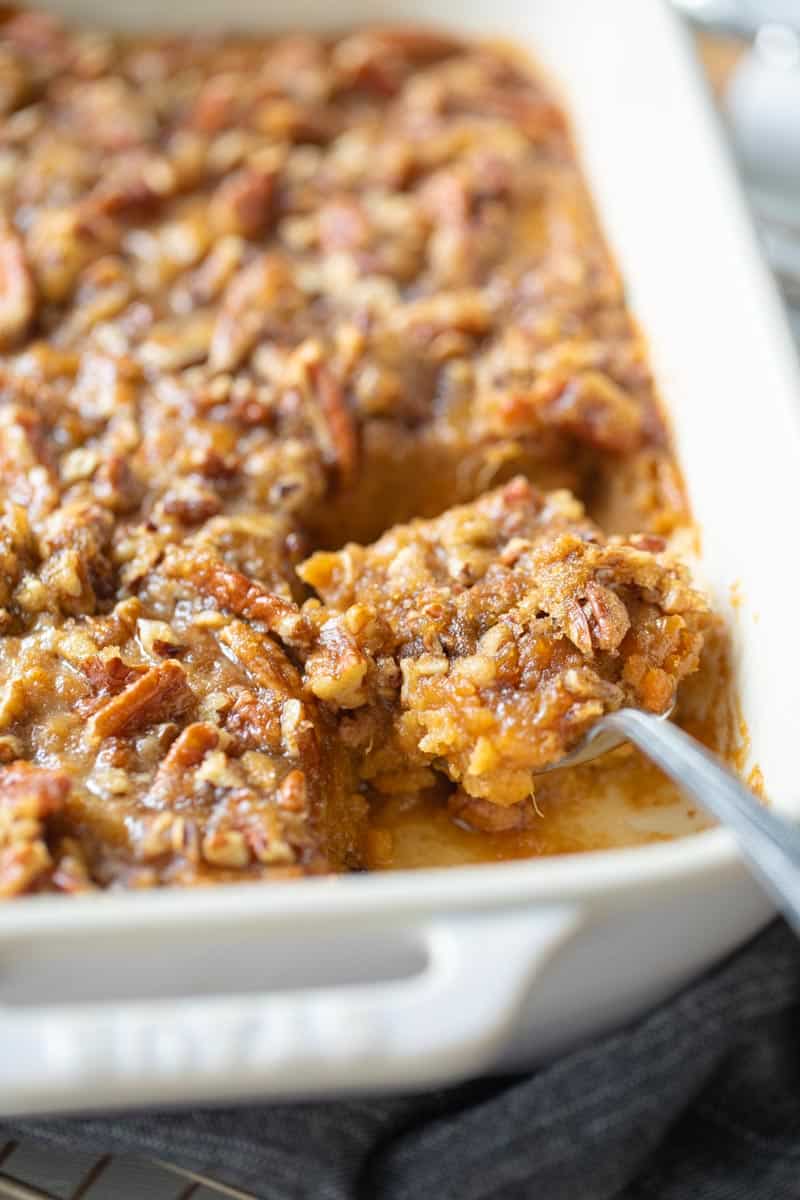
{"x": 342, "y": 296}
{"x": 160, "y": 693}
{"x": 233, "y": 591}
{"x": 339, "y": 420}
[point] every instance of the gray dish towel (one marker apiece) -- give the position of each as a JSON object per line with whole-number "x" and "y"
{"x": 700, "y": 1100}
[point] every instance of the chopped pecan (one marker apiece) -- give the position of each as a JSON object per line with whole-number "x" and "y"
{"x": 191, "y": 746}
{"x": 225, "y": 848}
{"x": 74, "y": 543}
{"x": 191, "y": 503}
{"x": 173, "y": 779}
{"x": 254, "y": 722}
{"x": 418, "y": 44}
{"x": 259, "y": 293}
{"x": 576, "y": 627}
{"x": 173, "y": 345}
{"x": 17, "y": 550}
{"x": 22, "y": 862}
{"x": 265, "y": 662}
{"x": 117, "y": 485}
{"x": 29, "y": 795}
{"x": 125, "y": 191}
{"x": 610, "y": 616}
{"x": 159, "y": 638}
{"x": 160, "y": 693}
{"x": 107, "y": 677}
{"x": 336, "y": 669}
{"x": 59, "y": 244}
{"x": 340, "y": 423}
{"x": 292, "y": 793}
{"x": 39, "y": 34}
{"x": 243, "y": 204}
{"x": 466, "y": 310}
{"x": 30, "y": 791}
{"x": 214, "y": 105}
{"x": 217, "y": 269}
{"x": 597, "y": 410}
{"x": 379, "y": 60}
{"x": 17, "y": 293}
{"x": 231, "y": 590}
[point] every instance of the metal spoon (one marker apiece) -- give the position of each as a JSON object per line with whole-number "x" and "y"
{"x": 769, "y": 845}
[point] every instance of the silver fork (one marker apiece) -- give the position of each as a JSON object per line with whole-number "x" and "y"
{"x": 769, "y": 845}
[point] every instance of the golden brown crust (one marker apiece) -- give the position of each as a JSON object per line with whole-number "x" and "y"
{"x": 188, "y": 749}
{"x": 214, "y": 315}
{"x": 487, "y": 641}
{"x": 259, "y": 297}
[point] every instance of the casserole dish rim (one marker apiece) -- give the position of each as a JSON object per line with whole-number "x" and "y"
{"x": 580, "y": 874}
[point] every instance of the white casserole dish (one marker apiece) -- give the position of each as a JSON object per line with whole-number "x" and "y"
{"x": 407, "y": 980}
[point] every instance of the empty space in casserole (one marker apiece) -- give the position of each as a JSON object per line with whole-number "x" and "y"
{"x": 336, "y": 495}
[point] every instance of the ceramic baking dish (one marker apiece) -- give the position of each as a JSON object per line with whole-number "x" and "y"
{"x": 405, "y": 980}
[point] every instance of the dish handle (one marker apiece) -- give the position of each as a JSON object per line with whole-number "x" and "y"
{"x": 447, "y": 1021}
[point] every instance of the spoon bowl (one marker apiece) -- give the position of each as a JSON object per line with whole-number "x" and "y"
{"x": 604, "y": 736}
{"x": 769, "y": 845}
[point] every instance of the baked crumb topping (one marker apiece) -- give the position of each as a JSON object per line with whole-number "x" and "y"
{"x": 485, "y": 642}
{"x": 262, "y": 300}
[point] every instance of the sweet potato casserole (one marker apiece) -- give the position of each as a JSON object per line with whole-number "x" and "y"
{"x": 336, "y": 497}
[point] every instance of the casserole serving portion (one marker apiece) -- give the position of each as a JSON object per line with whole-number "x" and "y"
{"x": 264, "y": 296}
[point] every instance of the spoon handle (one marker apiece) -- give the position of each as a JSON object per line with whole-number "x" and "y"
{"x": 770, "y": 845}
